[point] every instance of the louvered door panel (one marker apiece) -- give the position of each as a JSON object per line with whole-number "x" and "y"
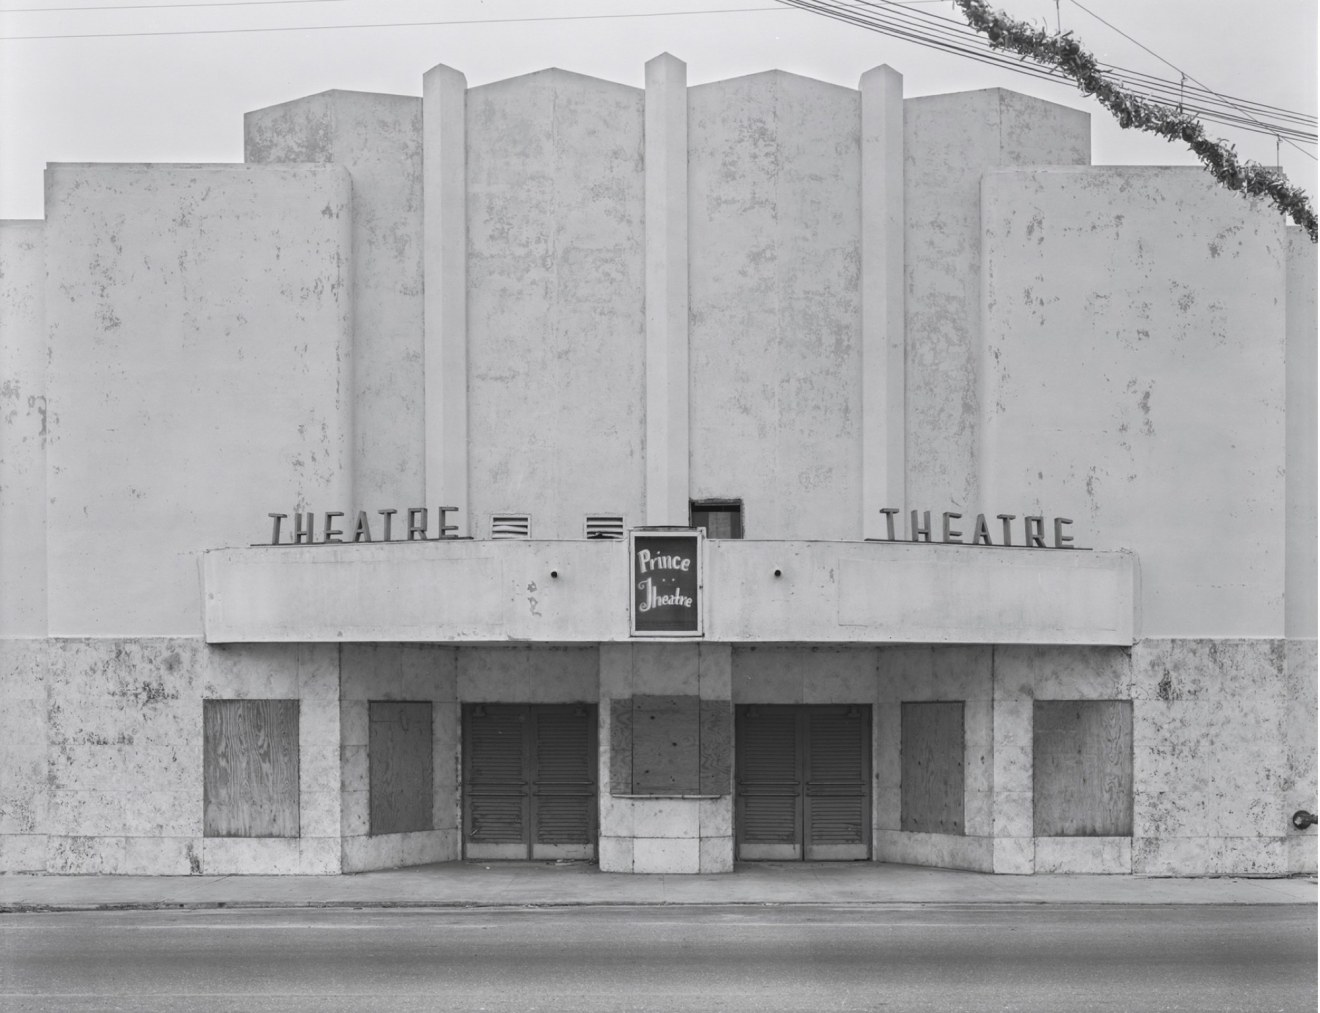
{"x": 564, "y": 782}
{"x": 495, "y": 784}
{"x": 804, "y": 782}
{"x": 769, "y": 798}
{"x": 838, "y": 790}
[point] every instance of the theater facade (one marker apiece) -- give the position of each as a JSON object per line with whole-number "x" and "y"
{"x": 664, "y": 477}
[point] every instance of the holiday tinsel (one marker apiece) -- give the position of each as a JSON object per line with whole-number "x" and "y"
{"x": 1065, "y": 53}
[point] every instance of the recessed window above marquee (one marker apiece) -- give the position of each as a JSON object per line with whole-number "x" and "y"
{"x": 721, "y": 518}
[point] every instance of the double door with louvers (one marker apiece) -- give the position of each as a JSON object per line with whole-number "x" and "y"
{"x": 529, "y": 781}
{"x": 803, "y": 782}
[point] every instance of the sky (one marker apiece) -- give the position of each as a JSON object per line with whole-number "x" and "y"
{"x": 176, "y": 89}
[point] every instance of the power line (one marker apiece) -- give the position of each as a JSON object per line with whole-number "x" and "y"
{"x": 165, "y": 7}
{"x": 394, "y": 24}
{"x": 1077, "y": 3}
{"x": 955, "y": 37}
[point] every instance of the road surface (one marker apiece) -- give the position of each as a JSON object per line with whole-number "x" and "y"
{"x": 754, "y": 957}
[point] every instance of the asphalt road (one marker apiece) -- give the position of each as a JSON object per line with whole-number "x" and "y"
{"x": 763, "y": 958}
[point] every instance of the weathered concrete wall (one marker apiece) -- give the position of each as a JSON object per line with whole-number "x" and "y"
{"x": 112, "y": 729}
{"x": 23, "y": 729}
{"x": 1215, "y": 780}
{"x": 1134, "y": 381}
{"x": 774, "y": 230}
{"x": 555, "y": 312}
{"x": 398, "y": 672}
{"x": 483, "y": 591}
{"x": 199, "y": 371}
{"x": 378, "y": 139}
{"x": 662, "y": 834}
{"x": 22, "y": 429}
{"x": 1300, "y": 783}
{"x": 950, "y": 143}
{"x": 1300, "y": 570}
{"x": 920, "y": 673}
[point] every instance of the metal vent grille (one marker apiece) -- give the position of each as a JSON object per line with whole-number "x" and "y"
{"x": 510, "y": 526}
{"x": 604, "y": 526}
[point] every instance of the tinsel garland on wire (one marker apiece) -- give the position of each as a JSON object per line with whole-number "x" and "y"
{"x": 1065, "y": 53}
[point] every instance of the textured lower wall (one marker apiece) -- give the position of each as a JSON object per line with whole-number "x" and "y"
{"x": 113, "y": 728}
{"x": 1217, "y": 773}
{"x": 398, "y": 672}
{"x": 661, "y": 834}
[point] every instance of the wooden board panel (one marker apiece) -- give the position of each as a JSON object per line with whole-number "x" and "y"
{"x": 621, "y": 746}
{"x": 931, "y": 749}
{"x": 250, "y": 768}
{"x": 666, "y": 731}
{"x": 716, "y": 747}
{"x": 1082, "y": 768}
{"x": 400, "y": 766}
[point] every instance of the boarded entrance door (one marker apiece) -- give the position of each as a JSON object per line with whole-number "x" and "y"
{"x": 529, "y": 781}
{"x": 804, "y": 776}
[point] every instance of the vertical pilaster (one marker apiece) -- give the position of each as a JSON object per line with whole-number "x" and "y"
{"x": 444, "y": 240}
{"x": 884, "y": 429}
{"x": 666, "y": 292}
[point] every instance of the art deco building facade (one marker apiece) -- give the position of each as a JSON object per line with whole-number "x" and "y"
{"x": 665, "y": 477}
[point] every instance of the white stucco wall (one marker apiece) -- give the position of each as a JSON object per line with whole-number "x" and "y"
{"x": 950, "y": 142}
{"x": 1134, "y": 380}
{"x": 199, "y": 373}
{"x": 22, "y": 429}
{"x": 774, "y": 232}
{"x": 556, "y": 329}
{"x": 1300, "y": 568}
{"x": 378, "y": 139}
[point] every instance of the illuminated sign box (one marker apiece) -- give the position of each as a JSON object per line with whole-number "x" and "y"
{"x": 666, "y": 582}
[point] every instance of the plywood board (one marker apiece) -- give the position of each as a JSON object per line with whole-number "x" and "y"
{"x": 401, "y": 766}
{"x": 931, "y": 748}
{"x": 1082, "y": 768}
{"x": 666, "y": 731}
{"x": 250, "y": 768}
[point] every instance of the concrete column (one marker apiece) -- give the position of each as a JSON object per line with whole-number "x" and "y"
{"x": 666, "y": 292}
{"x": 444, "y": 240}
{"x": 883, "y": 342}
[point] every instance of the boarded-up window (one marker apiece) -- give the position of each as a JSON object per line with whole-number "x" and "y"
{"x": 671, "y": 745}
{"x": 400, "y": 766}
{"x": 1082, "y": 768}
{"x": 932, "y": 767}
{"x": 250, "y": 768}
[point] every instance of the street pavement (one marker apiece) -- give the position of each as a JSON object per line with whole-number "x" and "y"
{"x": 469, "y": 884}
{"x": 764, "y": 957}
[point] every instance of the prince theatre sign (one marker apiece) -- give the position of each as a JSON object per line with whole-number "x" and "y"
{"x": 666, "y": 583}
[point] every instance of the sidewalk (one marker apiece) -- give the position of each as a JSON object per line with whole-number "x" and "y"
{"x": 520, "y": 884}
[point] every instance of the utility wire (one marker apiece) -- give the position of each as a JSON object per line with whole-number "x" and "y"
{"x": 1077, "y": 3}
{"x": 392, "y": 24}
{"x": 948, "y": 35}
{"x": 166, "y": 7}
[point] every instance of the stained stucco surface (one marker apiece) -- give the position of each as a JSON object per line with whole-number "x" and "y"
{"x": 1134, "y": 381}
{"x": 378, "y": 139}
{"x": 198, "y": 376}
{"x": 950, "y": 142}
{"x": 775, "y": 322}
{"x": 1218, "y": 761}
{"x": 107, "y": 749}
{"x": 22, "y": 429}
{"x": 556, "y": 376}
{"x": 1300, "y": 567}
